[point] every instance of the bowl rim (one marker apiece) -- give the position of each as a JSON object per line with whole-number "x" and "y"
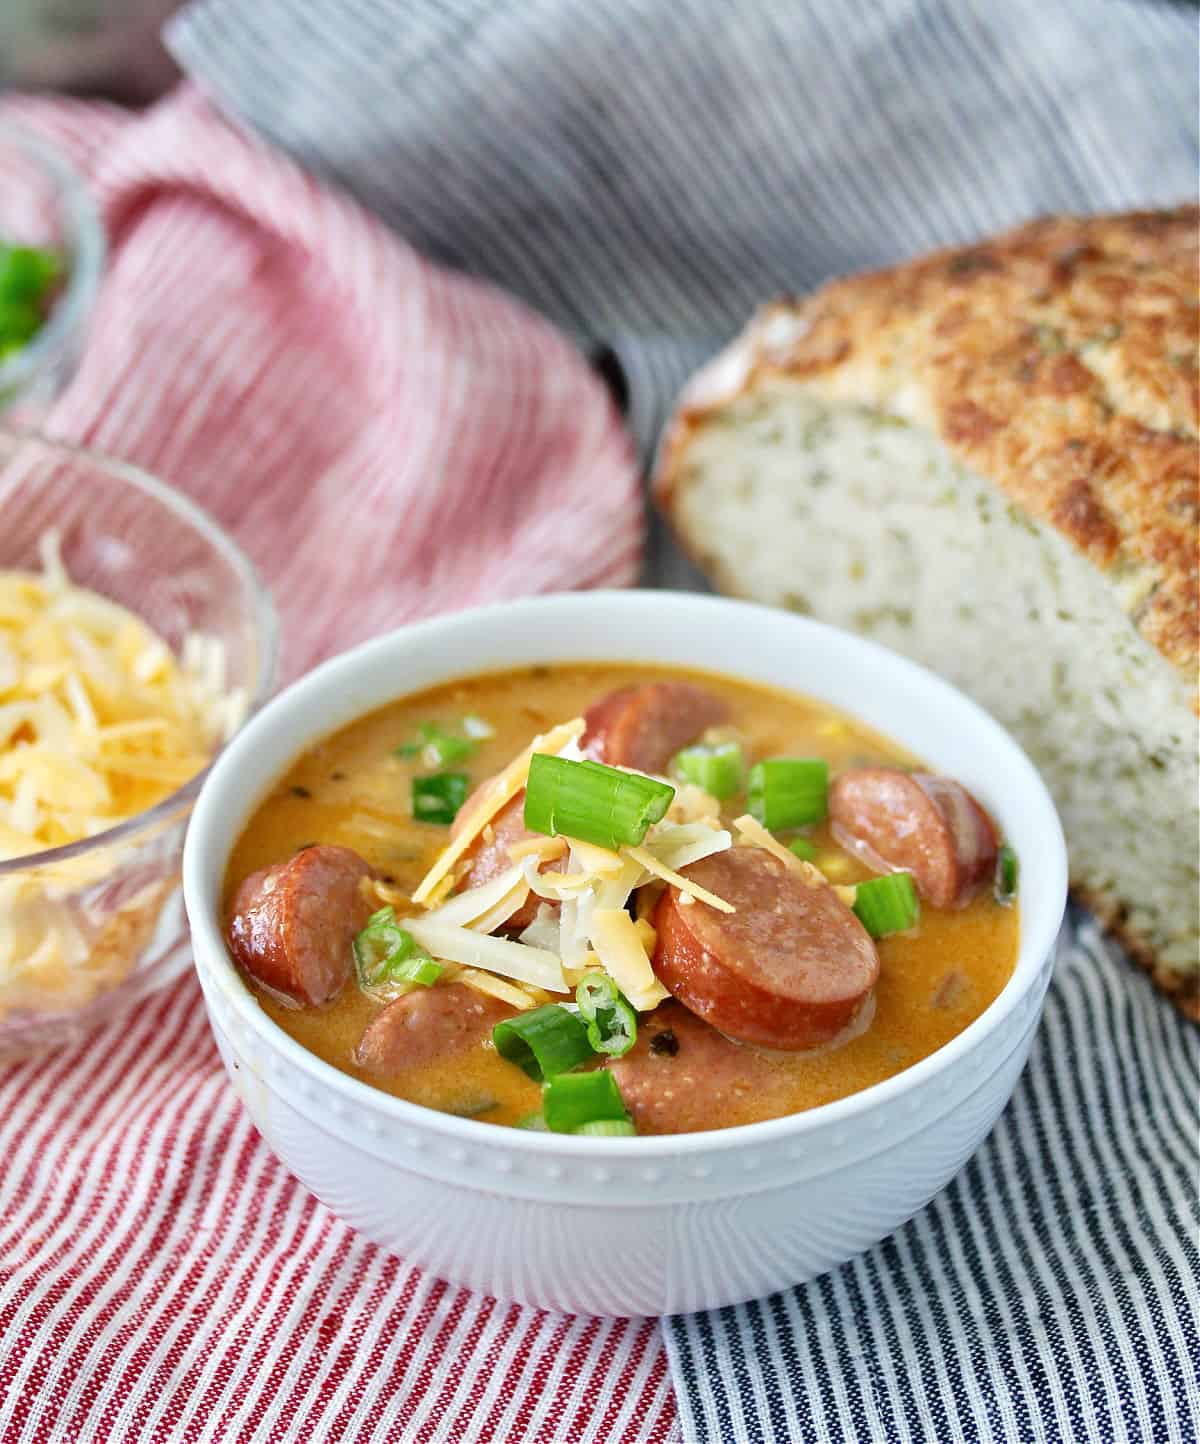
{"x": 266, "y": 625}
{"x": 213, "y": 964}
{"x": 71, "y": 309}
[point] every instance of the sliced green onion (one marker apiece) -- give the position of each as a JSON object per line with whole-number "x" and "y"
{"x": 534, "y": 1122}
{"x": 887, "y": 904}
{"x": 438, "y": 798}
{"x": 718, "y": 770}
{"x": 608, "y": 1128}
{"x": 789, "y": 792}
{"x": 612, "y": 1022}
{"x": 437, "y": 747}
{"x": 543, "y": 1042}
{"x": 592, "y": 802}
{"x": 1007, "y": 872}
{"x": 615, "y": 1030}
{"x": 20, "y": 321}
{"x": 27, "y": 274}
{"x": 571, "y": 1100}
{"x": 422, "y": 970}
{"x": 596, "y": 990}
{"x": 803, "y": 848}
{"x": 385, "y": 953}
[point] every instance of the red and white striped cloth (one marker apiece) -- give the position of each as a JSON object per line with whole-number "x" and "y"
{"x": 387, "y": 441}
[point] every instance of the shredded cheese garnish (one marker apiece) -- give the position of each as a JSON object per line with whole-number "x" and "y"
{"x": 593, "y": 859}
{"x": 564, "y": 882}
{"x": 493, "y": 987}
{"x": 503, "y": 789}
{"x": 542, "y": 932}
{"x": 547, "y": 848}
{"x": 619, "y": 946}
{"x": 688, "y": 889}
{"x": 756, "y": 835}
{"x": 511, "y": 902}
{"x": 465, "y": 907}
{"x": 452, "y": 944}
{"x": 680, "y": 846}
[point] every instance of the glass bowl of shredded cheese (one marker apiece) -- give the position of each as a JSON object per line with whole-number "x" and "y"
{"x": 135, "y": 638}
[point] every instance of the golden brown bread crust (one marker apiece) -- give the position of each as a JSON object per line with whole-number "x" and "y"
{"x": 1183, "y": 989}
{"x": 1058, "y": 360}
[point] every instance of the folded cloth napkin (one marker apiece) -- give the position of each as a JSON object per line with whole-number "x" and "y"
{"x": 386, "y": 440}
{"x": 645, "y": 174}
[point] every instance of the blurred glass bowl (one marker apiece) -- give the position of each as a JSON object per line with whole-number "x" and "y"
{"x": 134, "y": 540}
{"x": 45, "y": 202}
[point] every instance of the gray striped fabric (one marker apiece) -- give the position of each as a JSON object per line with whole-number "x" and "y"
{"x": 1050, "y": 1293}
{"x": 645, "y": 173}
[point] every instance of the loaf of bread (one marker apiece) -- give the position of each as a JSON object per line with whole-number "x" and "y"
{"x": 987, "y": 459}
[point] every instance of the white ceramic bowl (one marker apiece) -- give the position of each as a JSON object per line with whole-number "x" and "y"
{"x": 638, "y": 1225}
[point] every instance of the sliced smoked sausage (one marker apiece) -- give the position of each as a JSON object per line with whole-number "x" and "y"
{"x": 915, "y": 822}
{"x": 682, "y": 1076}
{"x": 292, "y": 925}
{"x": 428, "y": 1025}
{"x": 790, "y": 969}
{"x": 490, "y": 855}
{"x": 643, "y": 727}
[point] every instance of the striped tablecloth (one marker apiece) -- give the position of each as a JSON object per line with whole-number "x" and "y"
{"x": 643, "y": 174}
{"x": 387, "y": 441}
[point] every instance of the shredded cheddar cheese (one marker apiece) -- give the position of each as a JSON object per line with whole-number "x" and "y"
{"x": 99, "y": 721}
{"x": 753, "y": 832}
{"x": 503, "y": 789}
{"x": 621, "y": 949}
{"x": 547, "y": 848}
{"x": 677, "y": 880}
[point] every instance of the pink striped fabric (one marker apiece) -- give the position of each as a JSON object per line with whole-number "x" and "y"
{"x": 387, "y": 441}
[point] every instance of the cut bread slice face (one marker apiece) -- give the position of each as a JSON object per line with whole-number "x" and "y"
{"x": 987, "y": 458}
{"x": 862, "y": 517}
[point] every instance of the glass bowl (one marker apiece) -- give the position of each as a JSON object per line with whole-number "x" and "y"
{"x": 45, "y": 202}
{"x": 113, "y": 900}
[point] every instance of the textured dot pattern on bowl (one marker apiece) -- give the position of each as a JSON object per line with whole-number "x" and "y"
{"x": 682, "y": 1222}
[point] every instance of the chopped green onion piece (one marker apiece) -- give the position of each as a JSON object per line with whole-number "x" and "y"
{"x": 612, "y": 1023}
{"x": 596, "y": 990}
{"x": 718, "y": 770}
{"x": 27, "y": 274}
{"x": 534, "y": 1122}
{"x": 1007, "y": 872}
{"x": 478, "y": 728}
{"x": 385, "y": 953}
{"x": 614, "y": 1031}
{"x": 544, "y": 1042}
{"x": 422, "y": 970}
{"x": 789, "y": 792}
{"x": 887, "y": 904}
{"x": 592, "y": 802}
{"x": 437, "y": 747}
{"x": 20, "y": 321}
{"x": 803, "y": 848}
{"x": 608, "y": 1128}
{"x": 438, "y": 798}
{"x": 572, "y": 1099}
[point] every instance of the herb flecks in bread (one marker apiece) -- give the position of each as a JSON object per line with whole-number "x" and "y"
{"x": 987, "y": 458}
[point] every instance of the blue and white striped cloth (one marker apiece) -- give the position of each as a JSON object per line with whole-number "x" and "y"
{"x": 645, "y": 173}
